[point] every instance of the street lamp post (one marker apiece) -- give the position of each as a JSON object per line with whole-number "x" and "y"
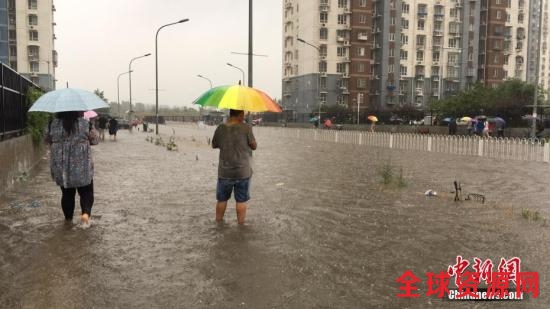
{"x": 318, "y": 77}
{"x": 157, "y": 72}
{"x": 229, "y": 64}
{"x": 208, "y": 79}
{"x": 50, "y": 80}
{"x": 118, "y": 89}
{"x": 130, "y": 82}
{"x": 201, "y": 108}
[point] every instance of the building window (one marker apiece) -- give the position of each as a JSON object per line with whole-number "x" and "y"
{"x": 323, "y": 17}
{"x": 361, "y": 83}
{"x": 33, "y": 35}
{"x": 33, "y": 4}
{"x": 363, "y": 3}
{"x": 360, "y": 67}
{"x": 323, "y": 66}
{"x": 341, "y": 51}
{"x": 404, "y": 39}
{"x": 340, "y": 68}
{"x": 360, "y": 98}
{"x": 405, "y": 23}
{"x": 33, "y": 20}
{"x": 323, "y": 33}
{"x": 391, "y": 68}
{"x": 391, "y": 52}
{"x": 499, "y": 14}
{"x": 342, "y": 19}
{"x": 323, "y": 50}
{"x": 342, "y": 3}
{"x": 360, "y": 51}
{"x": 392, "y": 37}
{"x": 403, "y": 70}
{"x": 405, "y": 8}
{"x": 34, "y": 66}
{"x": 323, "y": 81}
{"x": 323, "y": 98}
{"x": 404, "y": 54}
{"x": 363, "y": 19}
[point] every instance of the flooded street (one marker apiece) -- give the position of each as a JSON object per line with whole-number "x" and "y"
{"x": 322, "y": 230}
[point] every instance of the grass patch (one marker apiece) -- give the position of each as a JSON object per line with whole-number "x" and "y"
{"x": 389, "y": 176}
{"x": 386, "y": 172}
{"x": 532, "y": 215}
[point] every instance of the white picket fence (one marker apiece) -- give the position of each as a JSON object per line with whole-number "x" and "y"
{"x": 501, "y": 148}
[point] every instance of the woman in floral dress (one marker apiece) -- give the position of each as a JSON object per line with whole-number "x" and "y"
{"x": 72, "y": 168}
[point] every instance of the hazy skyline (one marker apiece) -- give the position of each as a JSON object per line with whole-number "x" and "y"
{"x": 97, "y": 39}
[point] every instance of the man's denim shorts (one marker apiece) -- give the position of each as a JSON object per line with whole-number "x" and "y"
{"x": 226, "y": 186}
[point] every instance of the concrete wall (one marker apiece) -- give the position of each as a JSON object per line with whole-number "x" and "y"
{"x": 17, "y": 156}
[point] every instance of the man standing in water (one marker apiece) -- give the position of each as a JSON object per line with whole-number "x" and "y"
{"x": 236, "y": 142}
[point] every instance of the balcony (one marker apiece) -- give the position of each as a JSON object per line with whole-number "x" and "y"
{"x": 422, "y": 14}
{"x": 362, "y": 37}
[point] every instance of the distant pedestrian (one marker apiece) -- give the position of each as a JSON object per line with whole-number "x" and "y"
{"x": 113, "y": 128}
{"x": 102, "y": 126}
{"x": 480, "y": 127}
{"x": 500, "y": 129}
{"x": 470, "y": 127}
{"x": 486, "y": 129}
{"x": 70, "y": 136}
{"x": 453, "y": 127}
{"x": 236, "y": 143}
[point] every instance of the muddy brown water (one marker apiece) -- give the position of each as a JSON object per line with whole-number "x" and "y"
{"x": 322, "y": 231}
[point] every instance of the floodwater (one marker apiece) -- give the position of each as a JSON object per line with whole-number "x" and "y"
{"x": 322, "y": 230}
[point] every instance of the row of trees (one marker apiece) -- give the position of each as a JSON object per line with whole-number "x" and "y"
{"x": 510, "y": 100}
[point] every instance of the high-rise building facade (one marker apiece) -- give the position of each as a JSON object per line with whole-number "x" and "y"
{"x": 383, "y": 54}
{"x": 326, "y": 54}
{"x": 31, "y": 40}
{"x": 4, "y": 51}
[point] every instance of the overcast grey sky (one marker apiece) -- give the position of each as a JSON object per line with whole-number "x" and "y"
{"x": 97, "y": 39}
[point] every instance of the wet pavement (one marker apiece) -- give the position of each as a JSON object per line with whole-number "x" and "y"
{"x": 321, "y": 232}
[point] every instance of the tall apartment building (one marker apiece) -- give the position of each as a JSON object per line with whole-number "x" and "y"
{"x": 538, "y": 43}
{"x": 31, "y": 40}
{"x": 332, "y": 64}
{"x": 4, "y": 51}
{"x": 420, "y": 50}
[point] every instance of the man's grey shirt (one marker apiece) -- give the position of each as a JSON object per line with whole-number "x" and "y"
{"x": 233, "y": 140}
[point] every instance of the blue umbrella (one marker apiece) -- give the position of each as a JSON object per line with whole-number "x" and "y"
{"x": 67, "y": 99}
{"x": 314, "y": 119}
{"x": 497, "y": 120}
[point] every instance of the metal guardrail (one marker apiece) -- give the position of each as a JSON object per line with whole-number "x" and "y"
{"x": 499, "y": 148}
{"x": 13, "y": 102}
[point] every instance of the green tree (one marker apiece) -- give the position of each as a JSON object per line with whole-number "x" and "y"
{"x": 36, "y": 121}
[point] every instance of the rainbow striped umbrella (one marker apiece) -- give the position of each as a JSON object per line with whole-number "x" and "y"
{"x": 238, "y": 97}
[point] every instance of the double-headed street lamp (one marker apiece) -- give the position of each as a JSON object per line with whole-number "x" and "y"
{"x": 208, "y": 79}
{"x": 229, "y": 64}
{"x": 130, "y": 81}
{"x": 318, "y": 77}
{"x": 118, "y": 89}
{"x": 157, "y": 73}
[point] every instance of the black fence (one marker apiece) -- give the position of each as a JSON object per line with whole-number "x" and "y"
{"x": 13, "y": 102}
